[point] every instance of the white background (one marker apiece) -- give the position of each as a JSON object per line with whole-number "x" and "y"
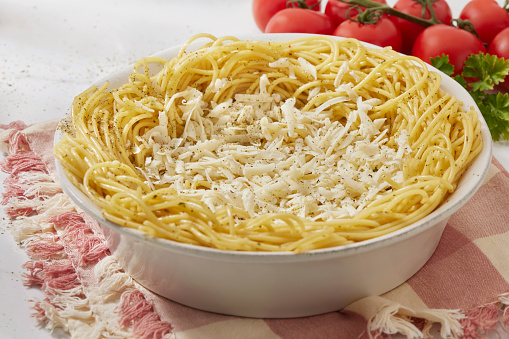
{"x": 51, "y": 50}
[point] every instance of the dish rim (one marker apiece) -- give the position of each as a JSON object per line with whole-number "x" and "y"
{"x": 453, "y": 203}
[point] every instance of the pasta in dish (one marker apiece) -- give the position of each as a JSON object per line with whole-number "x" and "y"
{"x": 270, "y": 146}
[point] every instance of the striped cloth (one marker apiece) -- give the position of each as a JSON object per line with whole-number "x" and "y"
{"x": 462, "y": 292}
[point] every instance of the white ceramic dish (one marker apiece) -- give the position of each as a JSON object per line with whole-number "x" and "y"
{"x": 281, "y": 285}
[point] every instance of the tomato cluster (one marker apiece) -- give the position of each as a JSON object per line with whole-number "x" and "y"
{"x": 433, "y": 34}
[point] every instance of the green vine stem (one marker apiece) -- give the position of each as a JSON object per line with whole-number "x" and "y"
{"x": 375, "y": 6}
{"x": 301, "y": 4}
{"x": 466, "y": 25}
{"x": 371, "y": 16}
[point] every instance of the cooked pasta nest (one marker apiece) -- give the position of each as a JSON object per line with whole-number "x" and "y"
{"x": 270, "y": 146}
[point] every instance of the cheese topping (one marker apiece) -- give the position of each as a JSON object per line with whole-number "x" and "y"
{"x": 260, "y": 153}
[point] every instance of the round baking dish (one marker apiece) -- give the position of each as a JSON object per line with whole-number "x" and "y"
{"x": 282, "y": 285}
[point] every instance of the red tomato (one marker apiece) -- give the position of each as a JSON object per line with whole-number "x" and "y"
{"x": 263, "y": 10}
{"x": 337, "y": 10}
{"x": 487, "y": 17}
{"x": 499, "y": 46}
{"x": 300, "y": 20}
{"x": 409, "y": 30}
{"x": 457, "y": 43}
{"x": 382, "y": 33}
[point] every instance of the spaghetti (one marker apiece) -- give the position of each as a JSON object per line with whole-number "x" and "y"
{"x": 270, "y": 146}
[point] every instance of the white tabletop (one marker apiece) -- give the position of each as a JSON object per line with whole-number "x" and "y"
{"x": 51, "y": 50}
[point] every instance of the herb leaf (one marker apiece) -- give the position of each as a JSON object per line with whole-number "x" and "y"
{"x": 442, "y": 63}
{"x": 495, "y": 109}
{"x": 490, "y": 70}
{"x": 480, "y": 74}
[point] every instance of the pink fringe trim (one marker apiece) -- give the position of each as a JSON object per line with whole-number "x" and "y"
{"x": 78, "y": 245}
{"x": 12, "y": 189}
{"x": 35, "y": 273}
{"x": 21, "y": 159}
{"x": 17, "y": 140}
{"x": 14, "y": 213}
{"x": 505, "y": 316}
{"x": 61, "y": 280}
{"x": 136, "y": 311}
{"x": 51, "y": 276}
{"x": 482, "y": 320}
{"x": 84, "y": 246}
{"x": 23, "y": 162}
{"x": 47, "y": 247}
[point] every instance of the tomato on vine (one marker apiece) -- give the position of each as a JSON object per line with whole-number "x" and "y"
{"x": 452, "y": 41}
{"x": 419, "y": 8}
{"x": 264, "y": 10}
{"x": 382, "y": 32}
{"x": 300, "y": 20}
{"x": 337, "y": 10}
{"x": 487, "y": 17}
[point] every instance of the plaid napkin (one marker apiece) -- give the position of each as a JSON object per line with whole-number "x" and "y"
{"x": 461, "y": 292}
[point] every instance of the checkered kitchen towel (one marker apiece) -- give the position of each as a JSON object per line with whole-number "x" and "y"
{"x": 463, "y": 291}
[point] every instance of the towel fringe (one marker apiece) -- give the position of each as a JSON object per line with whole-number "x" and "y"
{"x": 112, "y": 278}
{"x": 63, "y": 244}
{"x": 475, "y": 323}
{"x": 139, "y": 313}
{"x": 504, "y": 300}
{"x": 414, "y": 324}
{"x": 45, "y": 246}
{"x": 87, "y": 248}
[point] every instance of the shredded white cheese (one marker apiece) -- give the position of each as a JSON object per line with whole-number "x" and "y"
{"x": 284, "y": 63}
{"x": 307, "y": 67}
{"x": 262, "y": 154}
{"x": 343, "y": 69}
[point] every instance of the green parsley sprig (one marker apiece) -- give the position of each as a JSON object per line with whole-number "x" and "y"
{"x": 481, "y": 73}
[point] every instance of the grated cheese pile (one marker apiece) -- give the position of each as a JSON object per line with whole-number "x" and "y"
{"x": 261, "y": 154}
